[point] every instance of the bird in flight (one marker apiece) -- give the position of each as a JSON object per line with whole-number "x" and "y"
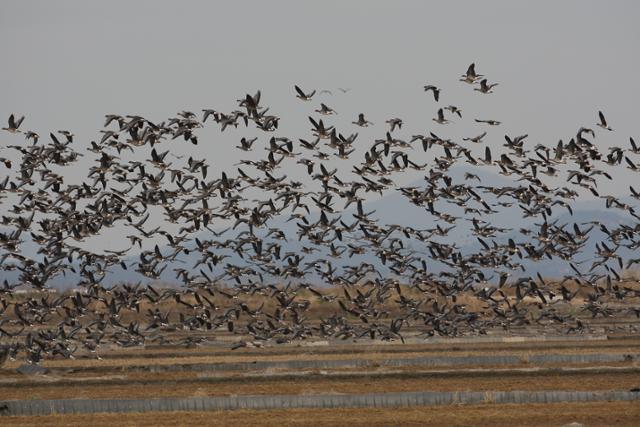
{"x": 434, "y": 89}
{"x": 14, "y": 124}
{"x": 603, "y": 121}
{"x": 485, "y": 87}
{"x": 489, "y": 122}
{"x": 471, "y": 76}
{"x": 394, "y": 122}
{"x": 440, "y": 119}
{"x": 302, "y": 95}
{"x": 362, "y": 122}
{"x": 454, "y": 110}
{"x": 476, "y": 139}
{"x": 325, "y": 110}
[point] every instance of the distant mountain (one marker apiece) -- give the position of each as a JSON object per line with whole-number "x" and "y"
{"x": 395, "y": 208}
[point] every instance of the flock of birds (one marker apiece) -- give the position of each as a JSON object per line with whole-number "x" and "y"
{"x": 249, "y": 280}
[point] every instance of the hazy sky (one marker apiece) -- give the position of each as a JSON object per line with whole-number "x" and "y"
{"x": 68, "y": 63}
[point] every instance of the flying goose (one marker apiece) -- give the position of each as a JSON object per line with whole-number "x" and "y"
{"x": 440, "y": 119}
{"x": 304, "y": 96}
{"x": 394, "y": 122}
{"x": 485, "y": 87}
{"x": 471, "y": 76}
{"x": 245, "y": 144}
{"x": 603, "y": 121}
{"x": 476, "y": 139}
{"x": 14, "y": 124}
{"x": 324, "y": 110}
{"x": 454, "y": 110}
{"x": 434, "y": 89}
{"x": 489, "y": 122}
{"x": 362, "y": 122}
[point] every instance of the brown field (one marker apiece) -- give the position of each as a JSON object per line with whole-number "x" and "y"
{"x": 162, "y": 356}
{"x": 106, "y": 379}
{"x": 322, "y": 309}
{"x": 115, "y": 363}
{"x": 169, "y": 387}
{"x": 623, "y": 414}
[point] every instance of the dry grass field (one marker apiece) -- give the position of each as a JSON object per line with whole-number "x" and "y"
{"x": 169, "y": 386}
{"x": 321, "y": 309}
{"x": 110, "y": 379}
{"x": 173, "y": 371}
{"x": 621, "y": 414}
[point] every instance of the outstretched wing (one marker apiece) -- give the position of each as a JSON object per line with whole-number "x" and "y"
{"x": 300, "y": 92}
{"x": 471, "y": 71}
{"x": 603, "y": 121}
